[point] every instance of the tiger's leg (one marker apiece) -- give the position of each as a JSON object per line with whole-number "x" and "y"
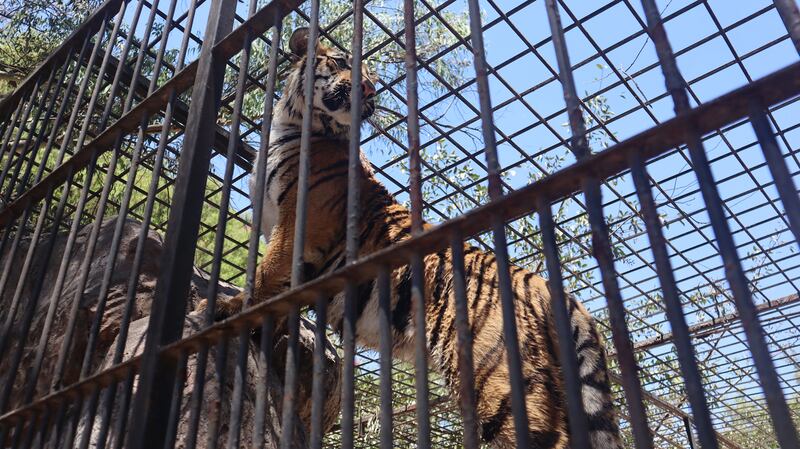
{"x": 272, "y": 275}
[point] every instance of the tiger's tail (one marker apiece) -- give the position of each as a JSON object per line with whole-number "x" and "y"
{"x": 594, "y": 378}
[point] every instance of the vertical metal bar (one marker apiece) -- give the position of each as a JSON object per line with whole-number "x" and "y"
{"x": 301, "y": 212}
{"x": 318, "y": 380}
{"x": 140, "y": 244}
{"x": 385, "y": 347}
{"x": 91, "y": 410}
{"x": 31, "y": 146}
{"x": 215, "y": 407}
{"x": 239, "y": 379}
{"x": 466, "y": 387}
{"x": 777, "y": 166}
{"x": 122, "y": 214}
{"x": 353, "y": 233}
{"x": 776, "y": 402}
{"x": 120, "y": 429}
{"x": 790, "y": 16}
{"x": 417, "y": 262}
{"x": 21, "y": 126}
{"x": 600, "y": 241}
{"x": 518, "y": 406}
{"x": 137, "y": 68}
{"x": 181, "y": 60}
{"x": 148, "y": 419}
{"x": 196, "y": 400}
{"x": 21, "y": 226}
{"x": 680, "y": 330}
{"x": 72, "y": 425}
{"x": 163, "y": 47}
{"x": 60, "y": 115}
{"x": 578, "y": 422}
{"x": 290, "y": 378}
{"x": 177, "y": 399}
{"x": 265, "y": 349}
{"x": 23, "y": 183}
{"x": 689, "y": 435}
{"x": 41, "y": 434}
{"x": 10, "y": 125}
{"x": 55, "y": 435}
{"x": 264, "y": 365}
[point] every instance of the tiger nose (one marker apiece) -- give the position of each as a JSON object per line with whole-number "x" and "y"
{"x": 367, "y": 88}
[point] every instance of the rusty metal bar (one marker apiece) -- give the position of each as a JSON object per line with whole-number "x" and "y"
{"x": 385, "y": 350}
{"x": 264, "y": 353}
{"x": 600, "y": 240}
{"x": 777, "y": 167}
{"x": 234, "y": 428}
{"x": 298, "y": 248}
{"x": 518, "y": 391}
{"x": 683, "y": 343}
{"x": 417, "y": 262}
{"x": 148, "y": 418}
{"x": 790, "y": 15}
{"x": 467, "y": 394}
{"x": 776, "y": 402}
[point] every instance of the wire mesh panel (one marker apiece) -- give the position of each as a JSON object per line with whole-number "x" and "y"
{"x": 386, "y": 223}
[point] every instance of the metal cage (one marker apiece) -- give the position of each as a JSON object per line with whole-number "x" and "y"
{"x": 517, "y": 125}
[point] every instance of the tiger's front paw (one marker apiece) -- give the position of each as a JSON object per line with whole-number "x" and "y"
{"x": 224, "y": 308}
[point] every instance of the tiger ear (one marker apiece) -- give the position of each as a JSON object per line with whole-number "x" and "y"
{"x": 298, "y": 43}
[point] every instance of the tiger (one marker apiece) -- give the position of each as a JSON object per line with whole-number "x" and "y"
{"x": 385, "y": 222}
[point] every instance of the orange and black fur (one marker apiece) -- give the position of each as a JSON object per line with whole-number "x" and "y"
{"x": 385, "y": 222}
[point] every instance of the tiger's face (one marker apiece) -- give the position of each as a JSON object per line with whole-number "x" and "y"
{"x": 332, "y": 86}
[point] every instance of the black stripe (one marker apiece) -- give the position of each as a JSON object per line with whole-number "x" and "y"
{"x": 363, "y": 295}
{"x": 329, "y": 262}
{"x": 602, "y": 422}
{"x": 481, "y": 276}
{"x": 280, "y": 164}
{"x": 591, "y": 381}
{"x": 338, "y": 201}
{"x": 588, "y": 344}
{"x": 441, "y": 306}
{"x": 402, "y": 310}
{"x": 325, "y": 179}
{"x": 491, "y": 360}
{"x": 483, "y": 316}
{"x": 492, "y": 426}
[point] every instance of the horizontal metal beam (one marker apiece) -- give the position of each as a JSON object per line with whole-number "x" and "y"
{"x": 707, "y": 327}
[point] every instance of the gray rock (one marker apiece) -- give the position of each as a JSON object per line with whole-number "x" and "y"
{"x": 109, "y": 329}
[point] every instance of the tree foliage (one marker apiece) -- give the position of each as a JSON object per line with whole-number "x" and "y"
{"x": 31, "y": 29}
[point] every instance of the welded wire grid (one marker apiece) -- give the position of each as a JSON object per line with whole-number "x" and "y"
{"x": 719, "y": 46}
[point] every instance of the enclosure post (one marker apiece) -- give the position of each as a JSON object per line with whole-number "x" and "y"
{"x": 157, "y": 373}
{"x": 790, "y": 15}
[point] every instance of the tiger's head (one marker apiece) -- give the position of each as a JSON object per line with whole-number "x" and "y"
{"x": 332, "y": 85}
